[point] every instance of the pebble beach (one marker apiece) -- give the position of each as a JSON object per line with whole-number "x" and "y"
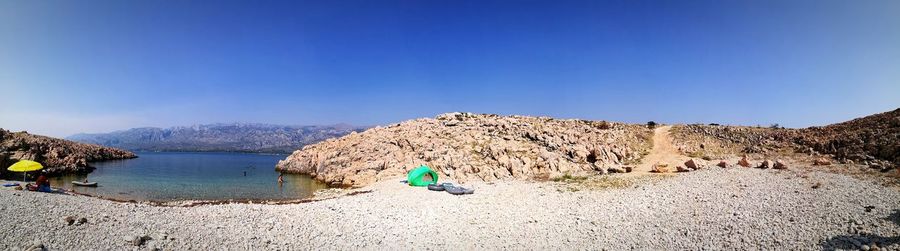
{"x": 734, "y": 208}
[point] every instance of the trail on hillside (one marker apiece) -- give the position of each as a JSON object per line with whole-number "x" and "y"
{"x": 663, "y": 152}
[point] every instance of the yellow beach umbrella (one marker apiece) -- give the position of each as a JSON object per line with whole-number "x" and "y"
{"x": 25, "y": 166}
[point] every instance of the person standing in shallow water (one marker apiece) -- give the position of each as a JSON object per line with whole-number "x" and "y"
{"x": 280, "y": 178}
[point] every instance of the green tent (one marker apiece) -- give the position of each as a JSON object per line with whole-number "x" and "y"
{"x": 414, "y": 177}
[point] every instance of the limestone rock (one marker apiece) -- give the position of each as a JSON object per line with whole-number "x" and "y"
{"x": 821, "y": 162}
{"x": 868, "y": 138}
{"x": 743, "y": 162}
{"x": 130, "y": 239}
{"x": 690, "y": 164}
{"x": 136, "y": 240}
{"x": 161, "y": 235}
{"x": 35, "y": 245}
{"x": 682, "y": 169}
{"x": 69, "y": 220}
{"x": 466, "y": 146}
{"x": 659, "y": 168}
{"x": 722, "y": 164}
{"x": 779, "y": 165}
{"x": 763, "y": 165}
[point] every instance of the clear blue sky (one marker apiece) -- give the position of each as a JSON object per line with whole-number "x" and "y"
{"x": 95, "y": 66}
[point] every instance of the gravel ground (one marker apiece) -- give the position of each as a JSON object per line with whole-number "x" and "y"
{"x": 717, "y": 208}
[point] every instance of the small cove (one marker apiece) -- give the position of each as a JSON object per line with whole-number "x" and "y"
{"x": 176, "y": 176}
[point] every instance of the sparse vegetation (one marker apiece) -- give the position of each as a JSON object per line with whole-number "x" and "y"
{"x": 603, "y": 125}
{"x": 696, "y": 154}
{"x": 699, "y": 154}
{"x": 568, "y": 178}
{"x": 702, "y": 140}
{"x": 609, "y": 182}
{"x": 651, "y": 124}
{"x": 643, "y": 153}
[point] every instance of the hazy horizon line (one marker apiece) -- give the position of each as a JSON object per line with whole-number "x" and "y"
{"x": 435, "y": 115}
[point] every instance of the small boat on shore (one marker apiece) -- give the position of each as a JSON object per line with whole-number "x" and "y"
{"x": 84, "y": 184}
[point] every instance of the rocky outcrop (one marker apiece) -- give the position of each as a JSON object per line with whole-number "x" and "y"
{"x": 873, "y": 140}
{"x": 57, "y": 155}
{"x": 718, "y": 141}
{"x": 237, "y": 137}
{"x": 465, "y": 146}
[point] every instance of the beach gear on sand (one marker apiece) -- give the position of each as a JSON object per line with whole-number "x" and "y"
{"x": 450, "y": 188}
{"x": 414, "y": 177}
{"x": 84, "y": 184}
{"x": 436, "y": 187}
{"x": 455, "y": 190}
{"x": 25, "y": 166}
{"x": 10, "y": 185}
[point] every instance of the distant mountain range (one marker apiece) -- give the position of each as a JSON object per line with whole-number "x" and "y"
{"x": 236, "y": 137}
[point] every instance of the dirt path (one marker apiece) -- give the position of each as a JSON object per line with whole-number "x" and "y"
{"x": 663, "y": 152}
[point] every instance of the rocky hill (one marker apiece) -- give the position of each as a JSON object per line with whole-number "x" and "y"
{"x": 57, "y": 155}
{"x": 872, "y": 140}
{"x": 217, "y": 137}
{"x": 465, "y": 146}
{"x": 718, "y": 141}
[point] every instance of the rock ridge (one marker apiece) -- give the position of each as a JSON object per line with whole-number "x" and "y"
{"x": 235, "y": 137}
{"x": 467, "y": 147}
{"x": 872, "y": 140}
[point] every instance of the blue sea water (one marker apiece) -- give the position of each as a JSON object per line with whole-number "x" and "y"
{"x": 170, "y": 176}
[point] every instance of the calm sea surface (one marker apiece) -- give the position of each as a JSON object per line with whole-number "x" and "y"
{"x": 168, "y": 176}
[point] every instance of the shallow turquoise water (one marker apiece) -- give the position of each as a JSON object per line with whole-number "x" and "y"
{"x": 168, "y": 176}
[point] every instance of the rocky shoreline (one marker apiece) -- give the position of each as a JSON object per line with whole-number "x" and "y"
{"x": 470, "y": 147}
{"x": 714, "y": 208}
{"x": 324, "y": 194}
{"x": 57, "y": 155}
